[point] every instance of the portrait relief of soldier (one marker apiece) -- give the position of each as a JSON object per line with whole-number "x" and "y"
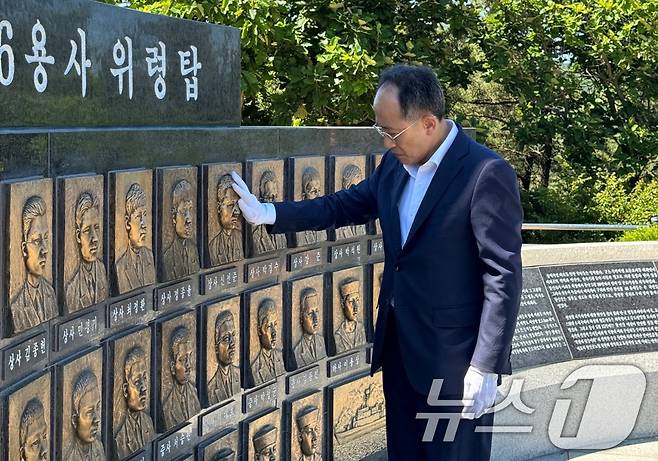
{"x": 180, "y": 255}
{"x": 350, "y": 331}
{"x": 225, "y": 448}
{"x": 224, "y": 345}
{"x": 265, "y": 442}
{"x": 31, "y": 293}
{"x": 265, "y": 336}
{"x": 135, "y": 266}
{"x": 270, "y": 190}
{"x": 309, "y": 348}
{"x": 86, "y": 282}
{"x": 85, "y": 420}
{"x": 308, "y": 434}
{"x": 309, "y": 184}
{"x": 28, "y": 435}
{"x": 133, "y": 427}
{"x": 225, "y": 245}
{"x": 349, "y": 172}
{"x": 179, "y": 399}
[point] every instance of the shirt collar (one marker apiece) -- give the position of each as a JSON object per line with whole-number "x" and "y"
{"x": 440, "y": 152}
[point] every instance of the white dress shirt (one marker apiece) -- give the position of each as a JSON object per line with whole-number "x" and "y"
{"x": 420, "y": 177}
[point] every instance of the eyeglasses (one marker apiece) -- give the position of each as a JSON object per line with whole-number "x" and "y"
{"x": 384, "y": 134}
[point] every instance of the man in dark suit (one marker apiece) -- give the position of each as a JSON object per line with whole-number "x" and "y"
{"x": 451, "y": 221}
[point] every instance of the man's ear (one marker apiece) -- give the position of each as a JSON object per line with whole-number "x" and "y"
{"x": 125, "y": 390}
{"x": 24, "y": 249}
{"x": 127, "y": 218}
{"x": 77, "y": 234}
{"x": 74, "y": 419}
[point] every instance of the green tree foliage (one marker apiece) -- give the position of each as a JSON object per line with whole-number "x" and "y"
{"x": 317, "y": 61}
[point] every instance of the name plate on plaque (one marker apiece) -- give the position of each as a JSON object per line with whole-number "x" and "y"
{"x": 79, "y": 331}
{"x": 129, "y": 311}
{"x": 341, "y": 365}
{"x": 305, "y": 260}
{"x": 377, "y": 247}
{"x": 174, "y": 445}
{"x": 175, "y": 295}
{"x": 306, "y": 379}
{"x": 265, "y": 397}
{"x": 219, "y": 418}
{"x": 349, "y": 252}
{"x": 262, "y": 270}
{"x": 25, "y": 356}
{"x": 216, "y": 282}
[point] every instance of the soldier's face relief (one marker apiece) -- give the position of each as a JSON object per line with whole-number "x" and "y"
{"x": 36, "y": 246}
{"x": 183, "y": 219}
{"x": 182, "y": 366}
{"x": 88, "y": 418}
{"x": 268, "y": 332}
{"x": 137, "y": 387}
{"x": 136, "y": 226}
{"x": 89, "y": 235}
{"x": 351, "y": 306}
{"x": 310, "y": 315}
{"x": 36, "y": 442}
{"x": 270, "y": 193}
{"x": 309, "y": 440}
{"x": 267, "y": 453}
{"x": 229, "y": 211}
{"x": 225, "y": 347}
{"x": 311, "y": 189}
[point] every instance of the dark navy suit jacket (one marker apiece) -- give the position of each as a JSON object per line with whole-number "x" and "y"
{"x": 456, "y": 283}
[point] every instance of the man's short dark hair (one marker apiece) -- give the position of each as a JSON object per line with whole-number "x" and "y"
{"x": 418, "y": 90}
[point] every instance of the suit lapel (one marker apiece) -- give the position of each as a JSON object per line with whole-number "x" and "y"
{"x": 400, "y": 177}
{"x": 448, "y": 169}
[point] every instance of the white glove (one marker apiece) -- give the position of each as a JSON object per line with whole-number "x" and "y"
{"x": 254, "y": 212}
{"x": 479, "y": 392}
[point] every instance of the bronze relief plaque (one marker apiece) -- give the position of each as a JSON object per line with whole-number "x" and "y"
{"x": 177, "y": 236}
{"x": 306, "y": 423}
{"x": 28, "y": 429}
{"x": 347, "y": 313}
{"x": 358, "y": 418}
{"x": 81, "y": 408}
{"x": 308, "y": 182}
{"x": 223, "y": 350}
{"x": 264, "y": 345}
{"x": 225, "y": 448}
{"x": 266, "y": 182}
{"x": 29, "y": 251}
{"x": 84, "y": 278}
{"x": 263, "y": 436}
{"x": 132, "y": 227}
{"x": 179, "y": 400}
{"x": 348, "y": 171}
{"x": 377, "y": 276}
{"x": 224, "y": 222}
{"x": 132, "y": 425}
{"x": 307, "y": 321}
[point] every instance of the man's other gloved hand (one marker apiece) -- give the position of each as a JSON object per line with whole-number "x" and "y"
{"x": 254, "y": 212}
{"x": 479, "y": 392}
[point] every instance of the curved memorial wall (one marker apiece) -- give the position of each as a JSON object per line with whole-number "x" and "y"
{"x": 587, "y": 337}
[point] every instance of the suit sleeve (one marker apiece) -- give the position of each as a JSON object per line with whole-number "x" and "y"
{"x": 356, "y": 205}
{"x": 496, "y": 218}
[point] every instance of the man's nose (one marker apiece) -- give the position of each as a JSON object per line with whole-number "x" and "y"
{"x": 188, "y": 216}
{"x": 93, "y": 235}
{"x": 142, "y": 222}
{"x": 43, "y": 453}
